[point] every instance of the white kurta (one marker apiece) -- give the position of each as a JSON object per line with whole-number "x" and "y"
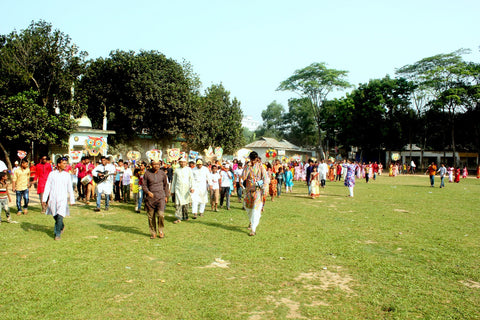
{"x": 322, "y": 171}
{"x": 200, "y": 185}
{"x": 182, "y": 182}
{"x": 57, "y": 191}
{"x": 105, "y": 187}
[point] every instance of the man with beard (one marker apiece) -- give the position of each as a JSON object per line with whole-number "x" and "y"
{"x": 182, "y": 183}
{"x": 155, "y": 189}
{"x": 200, "y": 189}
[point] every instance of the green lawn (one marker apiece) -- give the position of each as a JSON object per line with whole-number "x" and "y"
{"x": 398, "y": 250}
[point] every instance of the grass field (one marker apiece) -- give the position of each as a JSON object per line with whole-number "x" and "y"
{"x": 397, "y": 250}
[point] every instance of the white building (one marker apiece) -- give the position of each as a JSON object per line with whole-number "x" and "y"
{"x": 249, "y": 123}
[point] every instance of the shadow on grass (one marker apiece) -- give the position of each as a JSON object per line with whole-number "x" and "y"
{"x": 222, "y": 226}
{"x": 27, "y": 226}
{"x": 125, "y": 229}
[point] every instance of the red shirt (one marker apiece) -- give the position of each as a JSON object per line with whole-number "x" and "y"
{"x": 82, "y": 170}
{"x": 41, "y": 174}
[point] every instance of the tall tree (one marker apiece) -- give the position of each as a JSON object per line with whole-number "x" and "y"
{"x": 218, "y": 121}
{"x": 300, "y": 123}
{"x": 144, "y": 94}
{"x": 316, "y": 82}
{"x": 44, "y": 60}
{"x": 23, "y": 121}
{"x": 39, "y": 67}
{"x": 436, "y": 78}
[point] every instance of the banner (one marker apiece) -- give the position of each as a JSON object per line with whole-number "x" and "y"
{"x": 154, "y": 155}
{"x": 21, "y": 154}
{"x": 134, "y": 155}
{"x": 173, "y": 154}
{"x": 76, "y": 155}
{"x": 95, "y": 145}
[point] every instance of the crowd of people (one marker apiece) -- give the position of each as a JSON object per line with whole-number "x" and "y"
{"x": 191, "y": 185}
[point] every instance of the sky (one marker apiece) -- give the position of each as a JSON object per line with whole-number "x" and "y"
{"x": 252, "y": 46}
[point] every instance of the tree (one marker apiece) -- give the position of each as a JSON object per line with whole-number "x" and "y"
{"x": 44, "y": 60}
{"x": 144, "y": 94}
{"x": 39, "y": 67}
{"x": 316, "y": 82}
{"x": 273, "y": 116}
{"x": 218, "y": 121}
{"x": 23, "y": 121}
{"x": 375, "y": 115}
{"x": 436, "y": 78}
{"x": 300, "y": 123}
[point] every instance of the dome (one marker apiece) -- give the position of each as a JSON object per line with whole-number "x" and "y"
{"x": 84, "y": 122}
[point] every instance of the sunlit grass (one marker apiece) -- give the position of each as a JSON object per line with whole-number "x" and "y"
{"x": 398, "y": 249}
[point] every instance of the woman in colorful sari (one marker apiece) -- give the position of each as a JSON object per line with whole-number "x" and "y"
{"x": 255, "y": 177}
{"x": 350, "y": 177}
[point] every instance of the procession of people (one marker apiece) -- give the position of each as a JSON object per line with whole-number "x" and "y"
{"x": 191, "y": 186}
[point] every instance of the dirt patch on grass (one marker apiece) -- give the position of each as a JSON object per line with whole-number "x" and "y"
{"x": 293, "y": 307}
{"x": 401, "y": 210}
{"x": 326, "y": 280}
{"x": 218, "y": 263}
{"x": 471, "y": 284}
{"x": 307, "y": 290}
{"x": 369, "y": 242}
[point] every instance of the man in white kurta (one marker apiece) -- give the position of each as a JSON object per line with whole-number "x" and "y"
{"x": 200, "y": 189}
{"x": 58, "y": 190}
{"x": 322, "y": 171}
{"x": 182, "y": 184}
{"x": 107, "y": 170}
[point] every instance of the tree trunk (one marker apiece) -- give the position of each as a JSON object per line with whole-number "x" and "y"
{"x": 321, "y": 154}
{"x": 453, "y": 144}
{"x": 7, "y": 158}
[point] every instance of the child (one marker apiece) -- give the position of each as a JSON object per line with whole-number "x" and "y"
{"x": 314, "y": 183}
{"x": 4, "y": 196}
{"x": 214, "y": 184}
{"x": 135, "y": 189}
{"x": 272, "y": 187}
{"x": 280, "y": 179}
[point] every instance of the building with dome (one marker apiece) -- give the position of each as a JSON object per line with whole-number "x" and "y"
{"x": 78, "y": 140}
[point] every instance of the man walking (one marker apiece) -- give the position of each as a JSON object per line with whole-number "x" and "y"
{"x": 442, "y": 171}
{"x": 104, "y": 177}
{"x": 155, "y": 189}
{"x": 225, "y": 182}
{"x": 42, "y": 170}
{"x": 200, "y": 189}
{"x": 182, "y": 184}
{"x": 432, "y": 170}
{"x": 21, "y": 183}
{"x": 58, "y": 189}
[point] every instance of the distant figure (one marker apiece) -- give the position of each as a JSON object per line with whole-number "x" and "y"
{"x": 350, "y": 177}
{"x": 413, "y": 166}
{"x": 442, "y": 171}
{"x": 288, "y": 180}
{"x": 432, "y": 170}
{"x": 457, "y": 175}
{"x": 465, "y": 172}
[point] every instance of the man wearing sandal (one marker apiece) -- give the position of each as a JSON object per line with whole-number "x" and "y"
{"x": 155, "y": 189}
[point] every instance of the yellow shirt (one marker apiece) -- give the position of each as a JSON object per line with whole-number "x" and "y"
{"x": 21, "y": 177}
{"x": 134, "y": 184}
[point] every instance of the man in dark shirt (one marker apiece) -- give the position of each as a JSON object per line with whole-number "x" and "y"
{"x": 155, "y": 189}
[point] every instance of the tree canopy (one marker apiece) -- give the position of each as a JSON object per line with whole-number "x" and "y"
{"x": 316, "y": 82}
